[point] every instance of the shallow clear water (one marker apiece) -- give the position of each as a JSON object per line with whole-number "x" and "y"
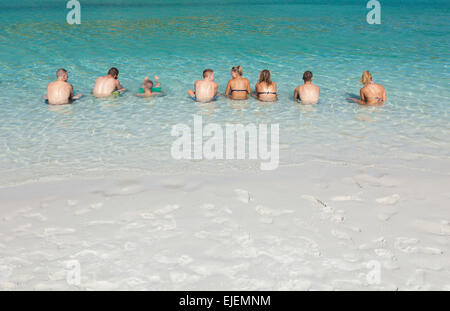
{"x": 407, "y": 53}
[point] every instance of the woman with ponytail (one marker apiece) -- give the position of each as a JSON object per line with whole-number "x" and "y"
{"x": 372, "y": 94}
{"x": 238, "y": 87}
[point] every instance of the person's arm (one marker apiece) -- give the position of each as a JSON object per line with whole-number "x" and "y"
{"x": 296, "y": 94}
{"x": 71, "y": 91}
{"x": 249, "y": 89}
{"x": 276, "y": 89}
{"x": 256, "y": 90}
{"x": 158, "y": 84}
{"x": 384, "y": 95}
{"x": 363, "y": 98}
{"x": 359, "y": 101}
{"x": 228, "y": 90}
{"x": 72, "y": 96}
{"x": 119, "y": 87}
{"x": 255, "y": 93}
{"x": 217, "y": 90}
{"x": 191, "y": 93}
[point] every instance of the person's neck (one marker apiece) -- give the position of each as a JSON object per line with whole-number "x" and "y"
{"x": 308, "y": 82}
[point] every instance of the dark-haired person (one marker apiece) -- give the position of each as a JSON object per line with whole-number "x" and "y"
{"x": 238, "y": 87}
{"x": 307, "y": 93}
{"x": 206, "y": 89}
{"x": 266, "y": 89}
{"x": 60, "y": 92}
{"x": 108, "y": 85}
{"x": 372, "y": 94}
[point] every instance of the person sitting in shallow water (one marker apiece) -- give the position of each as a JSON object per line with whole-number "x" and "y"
{"x": 266, "y": 89}
{"x": 149, "y": 89}
{"x": 108, "y": 85}
{"x": 206, "y": 89}
{"x": 238, "y": 87}
{"x": 307, "y": 93}
{"x": 372, "y": 94}
{"x": 60, "y": 92}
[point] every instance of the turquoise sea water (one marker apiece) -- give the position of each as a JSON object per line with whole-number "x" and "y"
{"x": 408, "y": 53}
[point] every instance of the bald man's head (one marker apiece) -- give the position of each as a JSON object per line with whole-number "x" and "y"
{"x": 62, "y": 74}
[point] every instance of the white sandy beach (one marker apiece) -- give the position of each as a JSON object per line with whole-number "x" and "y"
{"x": 312, "y": 227}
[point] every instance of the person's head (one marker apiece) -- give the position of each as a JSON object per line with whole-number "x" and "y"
{"x": 61, "y": 74}
{"x": 148, "y": 84}
{"x": 264, "y": 76}
{"x": 113, "y": 72}
{"x": 208, "y": 74}
{"x": 366, "y": 77}
{"x": 237, "y": 71}
{"x": 307, "y": 76}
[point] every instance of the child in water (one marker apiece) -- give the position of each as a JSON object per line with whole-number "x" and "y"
{"x": 148, "y": 88}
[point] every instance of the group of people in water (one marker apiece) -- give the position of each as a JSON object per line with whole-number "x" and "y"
{"x": 60, "y": 92}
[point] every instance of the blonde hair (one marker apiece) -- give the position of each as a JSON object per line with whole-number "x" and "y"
{"x": 366, "y": 77}
{"x": 238, "y": 69}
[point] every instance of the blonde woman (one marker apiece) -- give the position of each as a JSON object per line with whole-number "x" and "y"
{"x": 238, "y": 87}
{"x": 372, "y": 94}
{"x": 266, "y": 89}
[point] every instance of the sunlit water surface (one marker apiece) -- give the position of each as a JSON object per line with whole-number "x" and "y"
{"x": 407, "y": 53}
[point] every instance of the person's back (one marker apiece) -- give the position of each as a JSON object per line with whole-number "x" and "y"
{"x": 266, "y": 89}
{"x": 307, "y": 93}
{"x": 371, "y": 94}
{"x": 238, "y": 87}
{"x": 105, "y": 86}
{"x": 60, "y": 92}
{"x": 206, "y": 89}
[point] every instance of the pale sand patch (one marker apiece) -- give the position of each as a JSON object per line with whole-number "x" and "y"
{"x": 287, "y": 230}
